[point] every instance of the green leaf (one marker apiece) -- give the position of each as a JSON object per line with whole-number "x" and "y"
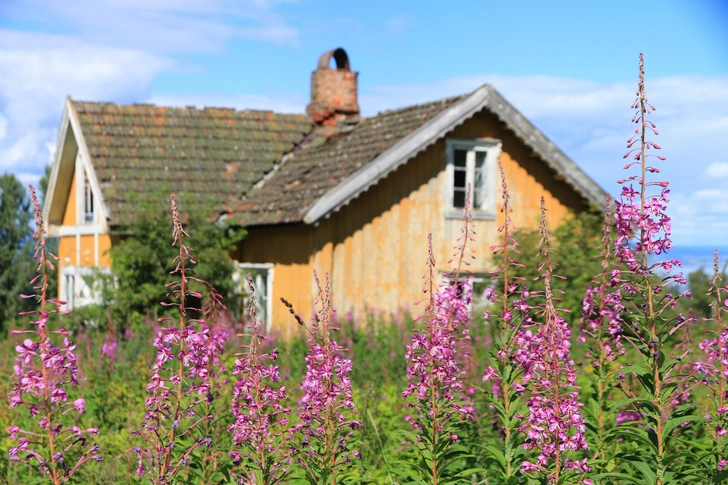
{"x": 622, "y": 476}
{"x": 646, "y": 470}
{"x": 674, "y": 422}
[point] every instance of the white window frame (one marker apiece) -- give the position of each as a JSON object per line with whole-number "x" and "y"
{"x": 75, "y": 288}
{"x": 448, "y": 277}
{"x": 84, "y": 195}
{"x": 240, "y": 276}
{"x": 492, "y": 149}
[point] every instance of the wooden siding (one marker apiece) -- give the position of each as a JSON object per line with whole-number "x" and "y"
{"x": 375, "y": 247}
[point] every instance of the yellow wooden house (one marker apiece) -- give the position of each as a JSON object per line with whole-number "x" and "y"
{"x": 328, "y": 190}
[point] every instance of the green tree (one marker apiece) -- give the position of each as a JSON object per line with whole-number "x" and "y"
{"x": 144, "y": 257}
{"x": 699, "y": 283}
{"x": 16, "y": 258}
{"x": 43, "y": 182}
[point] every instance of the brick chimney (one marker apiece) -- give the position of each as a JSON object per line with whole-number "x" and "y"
{"x": 334, "y": 103}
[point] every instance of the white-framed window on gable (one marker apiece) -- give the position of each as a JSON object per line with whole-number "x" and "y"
{"x": 88, "y": 201}
{"x": 85, "y": 198}
{"x": 471, "y": 162}
{"x": 262, "y": 286}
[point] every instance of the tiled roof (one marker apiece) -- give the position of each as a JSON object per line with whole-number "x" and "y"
{"x": 313, "y": 169}
{"x": 213, "y": 154}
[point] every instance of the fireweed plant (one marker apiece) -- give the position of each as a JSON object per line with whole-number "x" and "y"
{"x": 435, "y": 387}
{"x": 327, "y": 413}
{"x": 179, "y": 391}
{"x": 214, "y": 319}
{"x": 508, "y": 313}
{"x": 554, "y": 426}
{"x": 260, "y": 454}
{"x": 45, "y": 372}
{"x": 643, "y": 232}
{"x": 601, "y": 331}
{"x": 714, "y": 372}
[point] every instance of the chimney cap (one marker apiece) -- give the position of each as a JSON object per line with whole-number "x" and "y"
{"x": 339, "y": 55}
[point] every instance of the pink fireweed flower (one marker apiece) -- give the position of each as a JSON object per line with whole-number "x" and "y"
{"x": 260, "y": 419}
{"x": 714, "y": 370}
{"x": 640, "y": 216}
{"x": 45, "y": 373}
{"x": 453, "y": 303}
{"x": 435, "y": 378}
{"x": 180, "y": 389}
{"x": 554, "y": 426}
{"x": 326, "y": 410}
{"x": 509, "y": 312}
{"x": 108, "y": 349}
{"x": 643, "y": 234}
{"x": 601, "y": 321}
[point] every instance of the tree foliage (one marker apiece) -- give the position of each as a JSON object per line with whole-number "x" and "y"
{"x": 16, "y": 251}
{"x": 143, "y": 258}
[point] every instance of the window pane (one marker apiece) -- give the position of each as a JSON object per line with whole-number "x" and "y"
{"x": 459, "y": 178}
{"x": 479, "y": 180}
{"x": 458, "y": 199}
{"x": 478, "y": 196}
{"x": 459, "y": 158}
{"x": 480, "y": 159}
{"x": 88, "y": 208}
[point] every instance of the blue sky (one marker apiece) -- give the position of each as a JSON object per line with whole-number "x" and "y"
{"x": 570, "y": 66}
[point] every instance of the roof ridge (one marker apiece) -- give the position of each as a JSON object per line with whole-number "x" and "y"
{"x": 446, "y": 100}
{"x": 81, "y": 103}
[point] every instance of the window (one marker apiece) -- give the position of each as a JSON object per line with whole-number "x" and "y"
{"x": 471, "y": 162}
{"x": 81, "y": 285}
{"x": 262, "y": 285}
{"x": 478, "y": 283}
{"x": 88, "y": 200}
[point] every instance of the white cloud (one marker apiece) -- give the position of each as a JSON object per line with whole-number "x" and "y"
{"x": 717, "y": 170}
{"x": 399, "y": 24}
{"x": 37, "y": 78}
{"x": 163, "y": 26}
{"x": 710, "y": 194}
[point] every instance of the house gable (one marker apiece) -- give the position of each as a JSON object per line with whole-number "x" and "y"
{"x": 321, "y": 177}
{"x": 61, "y": 206}
{"x": 484, "y": 98}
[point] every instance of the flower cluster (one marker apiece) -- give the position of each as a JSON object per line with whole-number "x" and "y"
{"x": 109, "y": 347}
{"x": 554, "y": 425}
{"x": 180, "y": 386}
{"x": 256, "y": 407}
{"x": 508, "y": 313}
{"x": 715, "y": 368}
{"x": 44, "y": 374}
{"x": 326, "y": 411}
{"x": 639, "y": 215}
{"x": 432, "y": 369}
{"x": 601, "y": 320}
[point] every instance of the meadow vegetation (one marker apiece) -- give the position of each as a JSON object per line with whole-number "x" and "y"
{"x": 593, "y": 363}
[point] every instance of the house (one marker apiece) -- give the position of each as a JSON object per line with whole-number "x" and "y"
{"x": 327, "y": 190}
